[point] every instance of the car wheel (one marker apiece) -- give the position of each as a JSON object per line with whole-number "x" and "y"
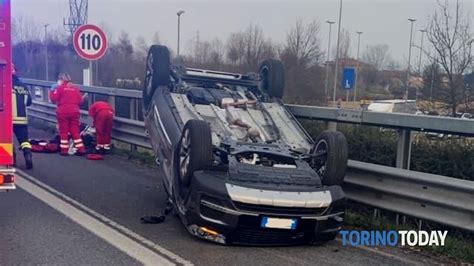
{"x": 330, "y": 157}
{"x": 157, "y": 71}
{"x": 272, "y": 75}
{"x": 194, "y": 150}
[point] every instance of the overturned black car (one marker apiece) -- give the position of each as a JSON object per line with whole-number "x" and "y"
{"x": 236, "y": 164}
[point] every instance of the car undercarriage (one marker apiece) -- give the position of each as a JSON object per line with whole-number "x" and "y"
{"x": 238, "y": 166}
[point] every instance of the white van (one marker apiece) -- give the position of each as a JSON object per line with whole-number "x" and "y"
{"x": 393, "y": 106}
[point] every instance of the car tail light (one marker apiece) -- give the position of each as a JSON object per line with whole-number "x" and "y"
{"x": 6, "y": 179}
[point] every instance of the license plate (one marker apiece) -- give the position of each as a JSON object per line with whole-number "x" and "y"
{"x": 280, "y": 223}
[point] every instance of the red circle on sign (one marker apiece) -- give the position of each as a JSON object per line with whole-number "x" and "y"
{"x": 85, "y": 43}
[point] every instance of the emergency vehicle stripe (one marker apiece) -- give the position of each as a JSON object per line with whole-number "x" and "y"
{"x": 6, "y": 149}
{"x": 14, "y": 106}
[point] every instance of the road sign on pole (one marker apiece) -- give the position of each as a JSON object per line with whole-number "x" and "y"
{"x": 90, "y": 42}
{"x": 348, "y": 78}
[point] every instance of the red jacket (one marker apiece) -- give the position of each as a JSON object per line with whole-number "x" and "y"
{"x": 68, "y": 98}
{"x": 98, "y": 106}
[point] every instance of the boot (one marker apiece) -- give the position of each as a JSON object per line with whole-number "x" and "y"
{"x": 28, "y": 158}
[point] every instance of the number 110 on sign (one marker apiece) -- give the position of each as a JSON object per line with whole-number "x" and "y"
{"x": 90, "y": 41}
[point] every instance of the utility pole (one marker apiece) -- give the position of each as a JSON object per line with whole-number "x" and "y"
{"x": 409, "y": 60}
{"x": 46, "y": 51}
{"x": 357, "y": 64}
{"x": 327, "y": 62}
{"x": 337, "y": 52}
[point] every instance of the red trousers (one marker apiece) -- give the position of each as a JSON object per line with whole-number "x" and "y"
{"x": 68, "y": 123}
{"x": 103, "y": 122}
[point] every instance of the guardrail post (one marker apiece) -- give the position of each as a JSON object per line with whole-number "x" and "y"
{"x": 45, "y": 94}
{"x": 111, "y": 100}
{"x": 133, "y": 109}
{"x": 404, "y": 148}
{"x": 332, "y": 126}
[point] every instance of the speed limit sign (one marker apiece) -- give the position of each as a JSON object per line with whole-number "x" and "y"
{"x": 90, "y": 42}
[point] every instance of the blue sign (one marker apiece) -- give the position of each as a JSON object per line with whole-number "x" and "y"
{"x": 348, "y": 78}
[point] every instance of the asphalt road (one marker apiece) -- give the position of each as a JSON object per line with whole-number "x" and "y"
{"x": 69, "y": 210}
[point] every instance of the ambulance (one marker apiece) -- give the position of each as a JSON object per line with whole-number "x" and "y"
{"x": 7, "y": 172}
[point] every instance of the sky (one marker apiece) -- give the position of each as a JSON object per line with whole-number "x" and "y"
{"x": 381, "y": 21}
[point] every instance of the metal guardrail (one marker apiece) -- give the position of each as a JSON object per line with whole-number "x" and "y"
{"x": 448, "y": 125}
{"x": 440, "y": 199}
{"x": 436, "y": 198}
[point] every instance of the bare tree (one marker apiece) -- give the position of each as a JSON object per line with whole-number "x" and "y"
{"x": 141, "y": 48}
{"x": 378, "y": 56}
{"x": 452, "y": 39}
{"x": 303, "y": 42}
{"x": 26, "y": 35}
{"x": 254, "y": 42}
{"x": 344, "y": 44}
{"x": 301, "y": 55}
{"x": 217, "y": 54}
{"x": 235, "y": 47}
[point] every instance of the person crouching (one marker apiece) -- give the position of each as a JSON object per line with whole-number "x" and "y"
{"x": 103, "y": 117}
{"x": 68, "y": 99}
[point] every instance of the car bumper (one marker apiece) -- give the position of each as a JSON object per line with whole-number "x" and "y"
{"x": 226, "y": 215}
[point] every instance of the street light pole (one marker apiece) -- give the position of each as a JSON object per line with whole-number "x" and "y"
{"x": 179, "y": 21}
{"x": 337, "y": 52}
{"x": 421, "y": 50}
{"x": 327, "y": 61}
{"x": 409, "y": 59}
{"x": 46, "y": 50}
{"x": 357, "y": 64}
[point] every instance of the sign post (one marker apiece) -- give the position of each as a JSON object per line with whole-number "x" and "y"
{"x": 90, "y": 43}
{"x": 348, "y": 80}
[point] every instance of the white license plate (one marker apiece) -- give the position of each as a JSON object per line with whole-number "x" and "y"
{"x": 280, "y": 223}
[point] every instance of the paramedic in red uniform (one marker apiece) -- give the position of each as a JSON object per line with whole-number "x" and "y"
{"x": 103, "y": 116}
{"x": 68, "y": 99}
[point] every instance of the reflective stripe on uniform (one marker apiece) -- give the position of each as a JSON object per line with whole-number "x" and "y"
{"x": 64, "y": 141}
{"x": 20, "y": 121}
{"x": 78, "y": 141}
{"x": 25, "y": 145}
{"x": 64, "y": 146}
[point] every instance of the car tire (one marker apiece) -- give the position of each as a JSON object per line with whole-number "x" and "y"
{"x": 330, "y": 151}
{"x": 272, "y": 75}
{"x": 194, "y": 150}
{"x": 157, "y": 72}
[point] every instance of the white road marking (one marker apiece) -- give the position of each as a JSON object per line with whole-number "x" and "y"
{"x": 134, "y": 245}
